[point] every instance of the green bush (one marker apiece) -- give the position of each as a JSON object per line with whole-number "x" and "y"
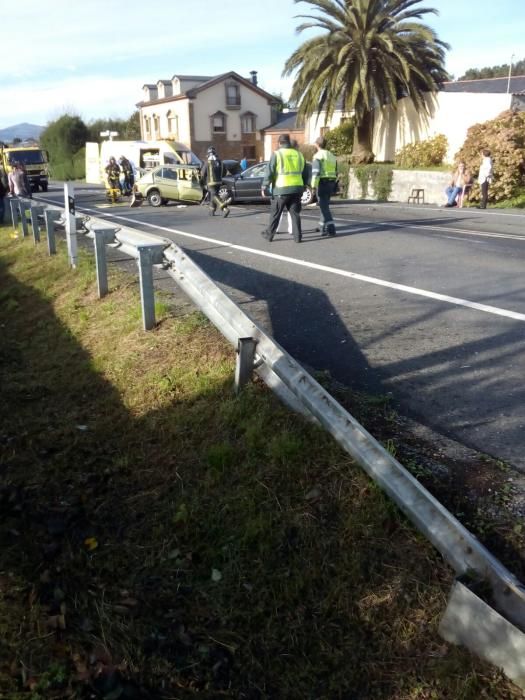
{"x": 343, "y": 175}
{"x": 379, "y": 176}
{"x": 341, "y": 139}
{"x": 504, "y": 136}
{"x": 308, "y": 151}
{"x": 70, "y": 168}
{"x": 423, "y": 154}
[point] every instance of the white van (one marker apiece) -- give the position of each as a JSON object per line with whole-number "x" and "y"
{"x": 143, "y": 155}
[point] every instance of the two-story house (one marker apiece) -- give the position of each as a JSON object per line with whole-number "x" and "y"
{"x": 226, "y": 111}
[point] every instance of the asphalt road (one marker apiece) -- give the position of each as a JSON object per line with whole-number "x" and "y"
{"x": 425, "y": 303}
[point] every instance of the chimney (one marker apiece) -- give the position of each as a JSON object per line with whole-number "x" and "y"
{"x": 253, "y": 73}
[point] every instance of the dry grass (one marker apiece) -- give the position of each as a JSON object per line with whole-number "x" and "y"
{"x": 162, "y": 538}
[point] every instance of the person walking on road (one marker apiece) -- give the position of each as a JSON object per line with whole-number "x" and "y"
{"x": 324, "y": 181}
{"x": 212, "y": 173}
{"x": 286, "y": 176}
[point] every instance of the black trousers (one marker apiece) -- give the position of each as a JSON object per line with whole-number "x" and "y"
{"x": 484, "y": 193}
{"x": 292, "y": 203}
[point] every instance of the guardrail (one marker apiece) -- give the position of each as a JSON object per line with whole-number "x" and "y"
{"x": 258, "y": 352}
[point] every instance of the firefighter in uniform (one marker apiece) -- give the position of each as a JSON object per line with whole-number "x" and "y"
{"x": 286, "y": 175}
{"x": 212, "y": 173}
{"x": 324, "y": 180}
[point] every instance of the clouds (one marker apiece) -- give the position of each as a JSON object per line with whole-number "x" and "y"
{"x": 88, "y": 96}
{"x": 94, "y": 56}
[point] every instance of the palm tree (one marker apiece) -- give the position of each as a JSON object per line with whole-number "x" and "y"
{"x": 372, "y": 53}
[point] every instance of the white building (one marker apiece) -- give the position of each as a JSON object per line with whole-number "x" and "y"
{"x": 226, "y": 111}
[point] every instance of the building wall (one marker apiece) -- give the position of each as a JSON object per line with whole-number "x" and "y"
{"x": 451, "y": 114}
{"x": 194, "y": 122}
{"x": 232, "y": 142}
{"x": 316, "y": 123}
{"x": 178, "y": 107}
{"x": 271, "y": 140}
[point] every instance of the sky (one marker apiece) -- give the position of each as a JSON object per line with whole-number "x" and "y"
{"x": 91, "y": 57}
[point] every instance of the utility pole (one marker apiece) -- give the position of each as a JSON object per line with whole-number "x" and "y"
{"x": 510, "y": 74}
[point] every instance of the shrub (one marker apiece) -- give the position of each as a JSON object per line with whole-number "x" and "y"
{"x": 504, "y": 136}
{"x": 341, "y": 139}
{"x": 308, "y": 151}
{"x": 423, "y": 154}
{"x": 377, "y": 175}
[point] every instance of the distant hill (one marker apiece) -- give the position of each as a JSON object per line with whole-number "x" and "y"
{"x": 21, "y": 131}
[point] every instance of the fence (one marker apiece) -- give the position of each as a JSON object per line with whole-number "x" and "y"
{"x": 493, "y": 633}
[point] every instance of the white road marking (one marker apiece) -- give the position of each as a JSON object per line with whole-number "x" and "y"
{"x": 440, "y": 229}
{"x": 485, "y": 308}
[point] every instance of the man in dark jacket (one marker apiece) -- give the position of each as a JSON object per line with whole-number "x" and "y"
{"x": 286, "y": 176}
{"x": 212, "y": 172}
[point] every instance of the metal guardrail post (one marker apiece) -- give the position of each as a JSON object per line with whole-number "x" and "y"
{"x": 101, "y": 238}
{"x": 35, "y": 227}
{"x": 15, "y": 213}
{"x": 23, "y": 217}
{"x": 245, "y": 362}
{"x": 71, "y": 223}
{"x": 51, "y": 216}
{"x": 147, "y": 295}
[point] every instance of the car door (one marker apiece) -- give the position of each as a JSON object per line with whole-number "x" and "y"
{"x": 248, "y": 186}
{"x": 190, "y": 189}
{"x": 167, "y": 182}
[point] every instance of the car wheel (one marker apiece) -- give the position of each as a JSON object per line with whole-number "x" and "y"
{"x": 307, "y": 196}
{"x": 154, "y": 198}
{"x": 224, "y": 193}
{"x": 43, "y": 186}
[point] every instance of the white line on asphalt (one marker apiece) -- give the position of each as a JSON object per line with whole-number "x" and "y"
{"x": 326, "y": 268}
{"x": 456, "y": 211}
{"x": 426, "y": 227}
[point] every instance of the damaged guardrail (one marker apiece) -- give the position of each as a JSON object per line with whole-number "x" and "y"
{"x": 494, "y": 633}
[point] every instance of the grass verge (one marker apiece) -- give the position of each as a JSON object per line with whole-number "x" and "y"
{"x": 162, "y": 538}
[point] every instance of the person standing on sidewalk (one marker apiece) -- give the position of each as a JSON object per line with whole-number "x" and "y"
{"x": 485, "y": 176}
{"x": 324, "y": 180}
{"x": 212, "y": 172}
{"x": 286, "y": 175}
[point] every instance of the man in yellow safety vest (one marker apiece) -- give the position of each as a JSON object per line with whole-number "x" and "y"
{"x": 324, "y": 180}
{"x": 286, "y": 176}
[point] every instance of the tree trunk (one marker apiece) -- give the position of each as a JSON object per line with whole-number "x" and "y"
{"x": 362, "y": 152}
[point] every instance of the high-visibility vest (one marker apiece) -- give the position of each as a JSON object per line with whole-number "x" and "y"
{"x": 327, "y": 167}
{"x": 289, "y": 168}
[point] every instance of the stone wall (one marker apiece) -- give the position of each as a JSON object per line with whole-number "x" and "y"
{"x": 432, "y": 182}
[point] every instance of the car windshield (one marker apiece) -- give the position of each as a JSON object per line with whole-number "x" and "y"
{"x": 255, "y": 171}
{"x": 26, "y": 157}
{"x": 189, "y": 158}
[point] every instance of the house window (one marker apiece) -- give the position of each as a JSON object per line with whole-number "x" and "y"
{"x": 324, "y": 130}
{"x": 173, "y": 124}
{"x": 147, "y": 126}
{"x": 233, "y": 96}
{"x": 248, "y": 123}
{"x": 218, "y": 123}
{"x": 156, "y": 126}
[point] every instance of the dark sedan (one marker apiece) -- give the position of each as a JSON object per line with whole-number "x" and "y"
{"x": 246, "y": 186}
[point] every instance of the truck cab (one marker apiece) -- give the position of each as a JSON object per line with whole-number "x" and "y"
{"x": 33, "y": 158}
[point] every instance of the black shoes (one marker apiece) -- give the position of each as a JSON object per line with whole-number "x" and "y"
{"x": 267, "y": 235}
{"x": 225, "y": 212}
{"x": 330, "y": 231}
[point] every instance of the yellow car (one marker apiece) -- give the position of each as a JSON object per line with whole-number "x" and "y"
{"x": 165, "y": 183}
